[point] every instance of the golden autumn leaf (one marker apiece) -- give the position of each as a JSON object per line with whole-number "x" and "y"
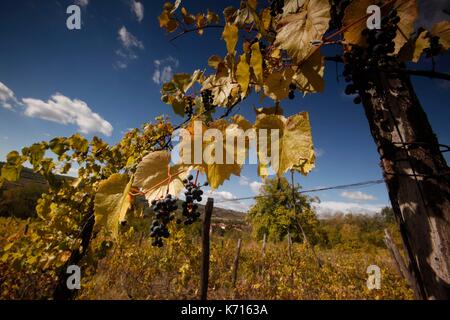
{"x": 230, "y": 35}
{"x": 221, "y": 89}
{"x": 155, "y": 176}
{"x": 187, "y": 18}
{"x": 408, "y": 13}
{"x": 276, "y": 85}
{"x": 292, "y": 6}
{"x": 112, "y": 203}
{"x": 201, "y": 21}
{"x": 309, "y": 76}
{"x": 214, "y": 61}
{"x": 244, "y": 15}
{"x": 256, "y": 61}
{"x": 296, "y": 31}
{"x": 243, "y": 74}
{"x": 212, "y": 17}
{"x": 294, "y": 144}
{"x": 413, "y": 49}
{"x": 442, "y": 30}
{"x": 167, "y": 22}
{"x": 354, "y": 23}
{"x": 266, "y": 19}
{"x": 215, "y": 160}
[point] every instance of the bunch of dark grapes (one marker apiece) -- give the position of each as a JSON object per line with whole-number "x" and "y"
{"x": 207, "y": 100}
{"x": 193, "y": 196}
{"x": 189, "y": 108}
{"x": 276, "y": 7}
{"x": 292, "y": 88}
{"x": 380, "y": 44}
{"x": 163, "y": 209}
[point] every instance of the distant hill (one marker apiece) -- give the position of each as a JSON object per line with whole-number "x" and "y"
{"x": 31, "y": 180}
{"x": 27, "y": 178}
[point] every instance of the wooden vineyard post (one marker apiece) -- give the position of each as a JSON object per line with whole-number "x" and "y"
{"x": 416, "y": 175}
{"x": 289, "y": 240}
{"x": 204, "y": 268}
{"x": 236, "y": 263}
{"x": 400, "y": 263}
{"x": 263, "y": 249}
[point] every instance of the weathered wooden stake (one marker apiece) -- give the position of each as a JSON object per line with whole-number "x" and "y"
{"x": 204, "y": 271}
{"x": 236, "y": 263}
{"x": 263, "y": 249}
{"x": 402, "y": 268}
{"x": 289, "y": 240}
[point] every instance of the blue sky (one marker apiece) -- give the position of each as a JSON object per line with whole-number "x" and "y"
{"x": 105, "y": 78}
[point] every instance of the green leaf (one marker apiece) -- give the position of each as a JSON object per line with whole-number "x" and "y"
{"x": 11, "y": 172}
{"x": 58, "y": 146}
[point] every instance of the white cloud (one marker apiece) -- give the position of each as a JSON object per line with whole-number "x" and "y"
{"x": 164, "y": 70}
{"x": 128, "y": 40}
{"x": 82, "y": 3}
{"x": 357, "y": 195}
{"x": 255, "y": 186}
{"x": 7, "y": 97}
{"x": 138, "y": 9}
{"x": 319, "y": 152}
{"x": 66, "y": 111}
{"x": 226, "y": 196}
{"x": 327, "y": 207}
{"x": 127, "y": 53}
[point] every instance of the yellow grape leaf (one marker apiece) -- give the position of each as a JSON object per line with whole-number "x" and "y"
{"x": 295, "y": 146}
{"x": 201, "y": 22}
{"x": 221, "y": 89}
{"x": 229, "y": 14}
{"x": 214, "y": 61}
{"x": 244, "y": 15}
{"x": 408, "y": 13}
{"x": 212, "y": 17}
{"x": 252, "y": 4}
{"x": 296, "y": 31}
{"x": 243, "y": 74}
{"x": 256, "y": 61}
{"x": 152, "y": 176}
{"x": 413, "y": 49}
{"x": 309, "y": 76}
{"x": 442, "y": 30}
{"x": 354, "y": 22}
{"x": 292, "y": 6}
{"x": 187, "y": 18}
{"x": 166, "y": 21}
{"x": 213, "y": 154}
{"x": 112, "y": 202}
{"x": 276, "y": 85}
{"x": 182, "y": 80}
{"x": 197, "y": 76}
{"x": 242, "y": 123}
{"x": 2, "y": 181}
{"x": 230, "y": 35}
{"x": 266, "y": 19}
